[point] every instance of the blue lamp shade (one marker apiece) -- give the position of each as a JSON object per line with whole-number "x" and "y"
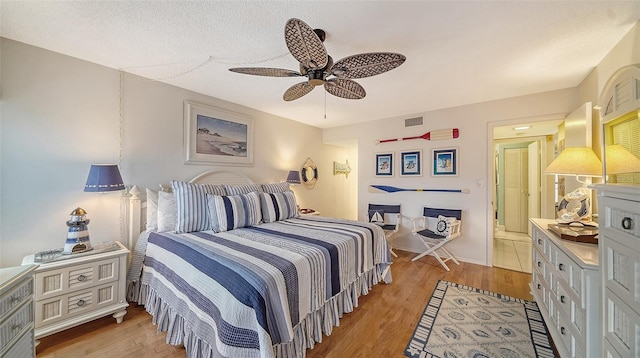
{"x": 104, "y": 177}
{"x": 293, "y": 177}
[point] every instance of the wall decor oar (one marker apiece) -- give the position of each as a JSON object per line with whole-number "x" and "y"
{"x": 393, "y": 189}
{"x": 441, "y": 134}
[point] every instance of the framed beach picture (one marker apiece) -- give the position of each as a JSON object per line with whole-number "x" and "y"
{"x": 216, "y": 136}
{"x": 445, "y": 162}
{"x": 411, "y": 163}
{"x": 384, "y": 165}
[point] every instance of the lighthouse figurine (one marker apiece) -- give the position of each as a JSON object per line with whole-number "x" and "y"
{"x": 78, "y": 234}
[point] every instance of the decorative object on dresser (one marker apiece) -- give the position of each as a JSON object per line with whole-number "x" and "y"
{"x": 578, "y": 162}
{"x": 565, "y": 282}
{"x": 75, "y": 289}
{"x": 78, "y": 234}
{"x": 463, "y": 321}
{"x": 436, "y": 228}
{"x": 16, "y": 312}
{"x": 619, "y": 209}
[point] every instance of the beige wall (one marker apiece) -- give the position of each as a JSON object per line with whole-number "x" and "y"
{"x": 60, "y": 115}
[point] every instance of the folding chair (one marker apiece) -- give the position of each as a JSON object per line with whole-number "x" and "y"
{"x": 388, "y": 217}
{"x": 436, "y": 228}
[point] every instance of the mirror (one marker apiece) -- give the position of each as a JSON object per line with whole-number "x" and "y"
{"x": 309, "y": 173}
{"x": 620, "y": 118}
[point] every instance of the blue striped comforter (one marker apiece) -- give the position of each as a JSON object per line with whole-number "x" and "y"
{"x": 268, "y": 290}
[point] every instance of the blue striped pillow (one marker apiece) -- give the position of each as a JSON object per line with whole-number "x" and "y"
{"x": 234, "y": 211}
{"x": 191, "y": 205}
{"x": 242, "y": 189}
{"x": 278, "y": 206}
{"x": 276, "y": 187}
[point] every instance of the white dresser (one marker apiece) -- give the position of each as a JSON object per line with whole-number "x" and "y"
{"x": 619, "y": 235}
{"x": 79, "y": 288}
{"x": 16, "y": 312}
{"x": 565, "y": 283}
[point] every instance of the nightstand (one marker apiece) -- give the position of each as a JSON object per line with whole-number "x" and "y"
{"x": 74, "y": 289}
{"x": 16, "y": 312}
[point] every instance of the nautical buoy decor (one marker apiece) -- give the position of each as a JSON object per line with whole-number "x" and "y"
{"x": 78, "y": 233}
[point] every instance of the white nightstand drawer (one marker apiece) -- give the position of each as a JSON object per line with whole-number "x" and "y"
{"x": 14, "y": 298}
{"x": 16, "y": 325}
{"x": 55, "y": 282}
{"x": 61, "y": 307}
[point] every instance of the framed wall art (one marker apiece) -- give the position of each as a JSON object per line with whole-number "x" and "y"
{"x": 411, "y": 163}
{"x": 384, "y": 165}
{"x": 216, "y": 136}
{"x": 445, "y": 162}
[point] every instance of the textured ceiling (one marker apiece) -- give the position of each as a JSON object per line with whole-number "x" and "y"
{"x": 457, "y": 52}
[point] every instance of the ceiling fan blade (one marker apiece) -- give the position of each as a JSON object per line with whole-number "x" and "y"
{"x": 367, "y": 64}
{"x": 296, "y": 91}
{"x": 265, "y": 71}
{"x": 344, "y": 88}
{"x": 304, "y": 44}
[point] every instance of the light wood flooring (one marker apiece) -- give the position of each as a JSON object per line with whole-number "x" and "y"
{"x": 380, "y": 327}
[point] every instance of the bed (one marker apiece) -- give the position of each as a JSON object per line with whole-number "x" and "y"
{"x": 225, "y": 283}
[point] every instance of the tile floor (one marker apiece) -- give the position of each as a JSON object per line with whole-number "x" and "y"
{"x": 512, "y": 250}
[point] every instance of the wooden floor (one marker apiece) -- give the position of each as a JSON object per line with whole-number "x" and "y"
{"x": 380, "y": 327}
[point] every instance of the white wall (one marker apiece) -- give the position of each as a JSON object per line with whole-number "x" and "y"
{"x": 60, "y": 114}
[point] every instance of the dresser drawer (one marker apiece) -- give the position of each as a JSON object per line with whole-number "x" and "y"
{"x": 622, "y": 273}
{"x": 621, "y": 326}
{"x": 55, "y": 282}
{"x": 15, "y": 297}
{"x": 622, "y": 219}
{"x": 16, "y": 324}
{"x": 61, "y": 307}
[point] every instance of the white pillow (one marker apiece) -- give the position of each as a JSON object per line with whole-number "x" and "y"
{"x": 167, "y": 212}
{"x": 276, "y": 187}
{"x": 152, "y": 210}
{"x": 443, "y": 225}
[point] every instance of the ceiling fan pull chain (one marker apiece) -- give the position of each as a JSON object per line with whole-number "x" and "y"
{"x": 325, "y": 104}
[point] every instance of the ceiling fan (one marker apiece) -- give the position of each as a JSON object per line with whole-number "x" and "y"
{"x": 306, "y": 46}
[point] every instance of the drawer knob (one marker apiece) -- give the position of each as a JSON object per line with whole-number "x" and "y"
{"x": 627, "y": 223}
{"x": 539, "y": 286}
{"x": 561, "y": 267}
{"x": 80, "y": 303}
{"x": 563, "y": 331}
{"x": 539, "y": 264}
{"x": 82, "y": 278}
{"x": 563, "y": 299}
{"x": 539, "y": 242}
{"x": 16, "y": 327}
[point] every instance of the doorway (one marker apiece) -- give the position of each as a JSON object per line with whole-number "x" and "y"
{"x": 520, "y": 188}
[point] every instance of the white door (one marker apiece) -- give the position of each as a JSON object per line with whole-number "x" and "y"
{"x": 516, "y": 189}
{"x": 534, "y": 182}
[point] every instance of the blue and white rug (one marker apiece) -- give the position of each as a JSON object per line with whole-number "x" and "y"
{"x": 462, "y": 321}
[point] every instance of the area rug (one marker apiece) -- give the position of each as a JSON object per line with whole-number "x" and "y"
{"x": 462, "y": 321}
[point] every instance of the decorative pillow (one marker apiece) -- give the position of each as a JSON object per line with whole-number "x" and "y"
{"x": 152, "y": 210}
{"x": 167, "y": 211}
{"x": 276, "y": 187}
{"x": 443, "y": 226}
{"x": 278, "y": 206}
{"x": 235, "y": 211}
{"x": 242, "y": 189}
{"x": 376, "y": 217}
{"x": 191, "y": 204}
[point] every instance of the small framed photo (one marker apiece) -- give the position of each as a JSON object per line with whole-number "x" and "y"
{"x": 445, "y": 162}
{"x": 384, "y": 165}
{"x": 412, "y": 163}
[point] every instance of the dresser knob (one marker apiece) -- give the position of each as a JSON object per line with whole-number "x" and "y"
{"x": 82, "y": 278}
{"x": 539, "y": 264}
{"x": 561, "y": 267}
{"x": 539, "y": 242}
{"x": 539, "y": 286}
{"x": 16, "y": 327}
{"x": 563, "y": 299}
{"x": 563, "y": 331}
{"x": 627, "y": 223}
{"x": 80, "y": 303}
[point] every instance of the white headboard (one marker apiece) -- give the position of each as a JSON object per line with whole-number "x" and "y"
{"x": 138, "y": 207}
